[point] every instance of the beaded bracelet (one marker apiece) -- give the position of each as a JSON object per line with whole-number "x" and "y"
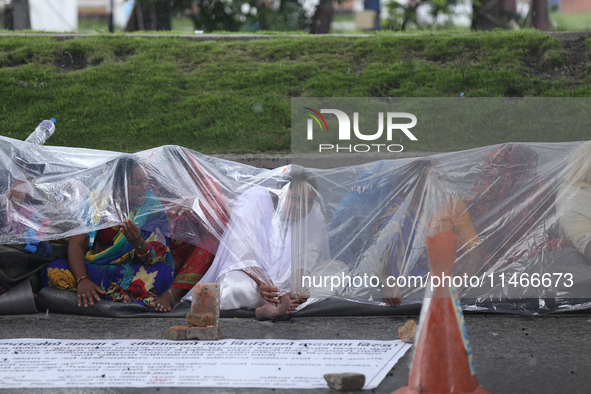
{"x": 80, "y": 278}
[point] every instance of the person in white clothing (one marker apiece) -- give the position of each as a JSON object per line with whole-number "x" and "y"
{"x": 270, "y": 230}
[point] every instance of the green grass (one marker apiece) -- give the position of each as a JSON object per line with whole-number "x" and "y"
{"x": 92, "y": 25}
{"x": 130, "y": 93}
{"x": 571, "y": 22}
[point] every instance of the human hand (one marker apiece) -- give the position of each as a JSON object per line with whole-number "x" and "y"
{"x": 88, "y": 292}
{"x": 269, "y": 294}
{"x": 132, "y": 233}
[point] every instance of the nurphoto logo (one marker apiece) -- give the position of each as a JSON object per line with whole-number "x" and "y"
{"x": 394, "y": 124}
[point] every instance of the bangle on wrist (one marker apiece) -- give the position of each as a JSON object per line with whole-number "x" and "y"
{"x": 137, "y": 250}
{"x": 80, "y": 279}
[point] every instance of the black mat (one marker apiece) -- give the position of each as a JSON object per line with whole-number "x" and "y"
{"x": 18, "y": 300}
{"x": 60, "y": 301}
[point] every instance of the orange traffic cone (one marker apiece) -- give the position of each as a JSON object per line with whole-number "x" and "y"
{"x": 443, "y": 360}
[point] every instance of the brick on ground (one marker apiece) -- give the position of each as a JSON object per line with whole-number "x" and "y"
{"x": 345, "y": 381}
{"x": 204, "y": 333}
{"x": 176, "y": 333}
{"x": 407, "y": 331}
{"x": 201, "y": 319}
{"x": 206, "y": 299}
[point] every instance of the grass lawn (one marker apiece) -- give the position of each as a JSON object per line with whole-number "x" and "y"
{"x": 572, "y": 22}
{"x": 128, "y": 93}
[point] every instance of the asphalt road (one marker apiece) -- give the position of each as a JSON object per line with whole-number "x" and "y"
{"x": 513, "y": 354}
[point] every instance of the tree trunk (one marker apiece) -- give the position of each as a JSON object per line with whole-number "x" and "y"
{"x": 136, "y": 19}
{"x": 540, "y": 17}
{"x": 153, "y": 17}
{"x": 7, "y": 18}
{"x": 110, "y": 26}
{"x": 161, "y": 16}
{"x": 322, "y": 18}
{"x": 21, "y": 17}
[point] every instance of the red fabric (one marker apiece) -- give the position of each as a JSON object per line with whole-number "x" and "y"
{"x": 105, "y": 236}
{"x": 198, "y": 261}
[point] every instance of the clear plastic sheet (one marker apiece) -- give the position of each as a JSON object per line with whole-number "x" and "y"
{"x": 351, "y": 232}
{"x": 521, "y": 216}
{"x": 60, "y": 192}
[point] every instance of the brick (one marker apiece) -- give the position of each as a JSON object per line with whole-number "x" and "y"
{"x": 176, "y": 333}
{"x": 407, "y": 331}
{"x": 206, "y": 299}
{"x": 202, "y": 319}
{"x": 204, "y": 333}
{"x": 345, "y": 381}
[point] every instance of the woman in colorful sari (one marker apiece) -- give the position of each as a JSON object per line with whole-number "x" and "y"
{"x": 504, "y": 204}
{"x": 130, "y": 262}
{"x": 196, "y": 225}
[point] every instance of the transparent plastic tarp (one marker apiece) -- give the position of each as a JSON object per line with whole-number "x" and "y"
{"x": 511, "y": 205}
{"x": 52, "y": 193}
{"x": 520, "y": 210}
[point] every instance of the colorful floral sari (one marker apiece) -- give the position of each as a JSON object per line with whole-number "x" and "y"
{"x": 118, "y": 270}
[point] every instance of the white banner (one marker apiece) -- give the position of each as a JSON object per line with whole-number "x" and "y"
{"x": 260, "y": 363}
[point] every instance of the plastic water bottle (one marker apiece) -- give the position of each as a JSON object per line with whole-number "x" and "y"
{"x": 42, "y": 132}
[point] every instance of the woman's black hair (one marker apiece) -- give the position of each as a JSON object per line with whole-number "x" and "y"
{"x": 414, "y": 175}
{"x": 299, "y": 175}
{"x": 124, "y": 169}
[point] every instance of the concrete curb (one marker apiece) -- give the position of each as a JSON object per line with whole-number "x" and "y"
{"x": 563, "y": 36}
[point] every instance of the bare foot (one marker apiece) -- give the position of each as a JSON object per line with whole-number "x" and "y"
{"x": 167, "y": 300}
{"x": 286, "y": 306}
{"x": 392, "y": 296}
{"x": 127, "y": 299}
